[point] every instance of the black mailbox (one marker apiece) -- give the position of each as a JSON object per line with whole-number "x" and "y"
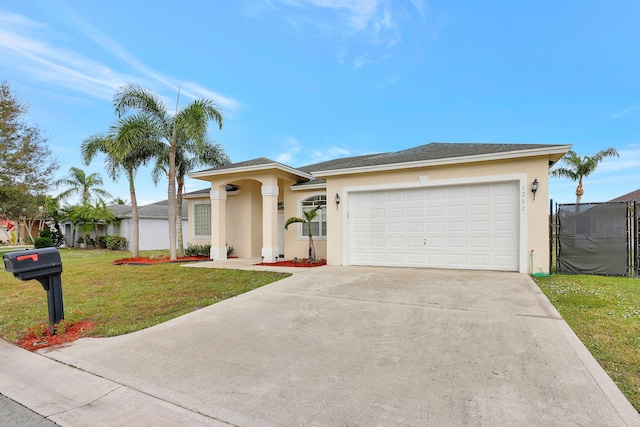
{"x": 27, "y": 265}
{"x": 45, "y": 266}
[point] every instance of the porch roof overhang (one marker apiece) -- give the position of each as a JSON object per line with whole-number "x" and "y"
{"x": 245, "y": 170}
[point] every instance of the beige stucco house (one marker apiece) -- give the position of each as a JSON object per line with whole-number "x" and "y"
{"x": 439, "y": 205}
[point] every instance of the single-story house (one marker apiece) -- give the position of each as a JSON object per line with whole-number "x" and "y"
{"x": 153, "y": 225}
{"x": 439, "y": 205}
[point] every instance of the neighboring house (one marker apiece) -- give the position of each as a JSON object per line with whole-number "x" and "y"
{"x": 153, "y": 225}
{"x": 439, "y": 205}
{"x": 6, "y": 229}
{"x": 629, "y": 197}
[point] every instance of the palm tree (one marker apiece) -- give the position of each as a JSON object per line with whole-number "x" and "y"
{"x": 190, "y": 123}
{"x": 96, "y": 214}
{"x": 129, "y": 144}
{"x": 309, "y": 216}
{"x": 188, "y": 157}
{"x": 82, "y": 184}
{"x": 580, "y": 167}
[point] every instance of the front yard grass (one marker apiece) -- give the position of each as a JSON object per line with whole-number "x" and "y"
{"x": 605, "y": 314}
{"x": 120, "y": 299}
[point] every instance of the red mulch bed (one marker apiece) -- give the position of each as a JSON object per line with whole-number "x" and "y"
{"x": 159, "y": 260}
{"x": 35, "y": 341}
{"x": 298, "y": 263}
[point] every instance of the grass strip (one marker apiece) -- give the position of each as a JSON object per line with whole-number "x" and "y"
{"x": 605, "y": 314}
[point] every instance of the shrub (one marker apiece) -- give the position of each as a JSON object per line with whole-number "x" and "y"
{"x": 115, "y": 243}
{"x": 197, "y": 250}
{"x": 57, "y": 238}
{"x": 102, "y": 241}
{"x": 42, "y": 242}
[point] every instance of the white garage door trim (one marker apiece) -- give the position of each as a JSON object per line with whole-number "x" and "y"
{"x": 424, "y": 182}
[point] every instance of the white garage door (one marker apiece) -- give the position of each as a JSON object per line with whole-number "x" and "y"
{"x": 463, "y": 227}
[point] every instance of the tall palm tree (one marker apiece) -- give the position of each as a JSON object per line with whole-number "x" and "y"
{"x": 82, "y": 184}
{"x": 188, "y": 157}
{"x": 577, "y": 167}
{"x": 309, "y": 216}
{"x": 129, "y": 144}
{"x": 190, "y": 122}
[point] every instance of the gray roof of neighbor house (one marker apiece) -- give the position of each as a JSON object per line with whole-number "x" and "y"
{"x": 158, "y": 210}
{"x": 629, "y": 197}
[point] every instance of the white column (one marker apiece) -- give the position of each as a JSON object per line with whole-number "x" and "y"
{"x": 270, "y": 249}
{"x": 218, "y": 224}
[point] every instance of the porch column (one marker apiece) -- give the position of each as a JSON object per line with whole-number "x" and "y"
{"x": 218, "y": 224}
{"x": 270, "y": 249}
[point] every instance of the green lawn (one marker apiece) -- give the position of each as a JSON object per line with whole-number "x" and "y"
{"x": 605, "y": 314}
{"x": 120, "y": 299}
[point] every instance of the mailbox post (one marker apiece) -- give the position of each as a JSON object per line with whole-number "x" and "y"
{"x": 45, "y": 266}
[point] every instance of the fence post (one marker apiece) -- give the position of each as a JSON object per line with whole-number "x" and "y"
{"x": 550, "y": 237}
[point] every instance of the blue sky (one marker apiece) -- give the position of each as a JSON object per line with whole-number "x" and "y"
{"x": 305, "y": 81}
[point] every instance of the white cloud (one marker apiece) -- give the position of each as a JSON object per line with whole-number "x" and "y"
{"x": 297, "y": 154}
{"x": 629, "y": 159}
{"x": 624, "y": 111}
{"x": 372, "y": 24}
{"x": 25, "y": 45}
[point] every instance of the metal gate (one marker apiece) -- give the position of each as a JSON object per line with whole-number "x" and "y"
{"x": 597, "y": 238}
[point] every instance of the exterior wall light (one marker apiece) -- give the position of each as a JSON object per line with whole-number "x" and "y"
{"x": 337, "y": 199}
{"x": 534, "y": 187}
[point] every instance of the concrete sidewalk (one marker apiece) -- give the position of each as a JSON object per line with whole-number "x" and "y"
{"x": 334, "y": 345}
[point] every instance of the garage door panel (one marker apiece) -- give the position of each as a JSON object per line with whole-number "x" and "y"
{"x": 457, "y": 210}
{"x": 472, "y": 227}
{"x": 415, "y": 212}
{"x": 396, "y": 227}
{"x": 415, "y": 227}
{"x": 434, "y": 227}
{"x": 455, "y": 226}
{"x": 479, "y": 209}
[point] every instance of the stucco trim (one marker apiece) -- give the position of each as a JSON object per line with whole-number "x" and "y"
{"x": 270, "y": 190}
{"x": 308, "y": 187}
{"x": 424, "y": 182}
{"x": 218, "y": 195}
{"x": 559, "y": 150}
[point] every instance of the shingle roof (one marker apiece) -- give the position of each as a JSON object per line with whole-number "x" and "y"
{"x": 252, "y": 162}
{"x": 629, "y": 197}
{"x": 432, "y": 151}
{"x": 334, "y": 164}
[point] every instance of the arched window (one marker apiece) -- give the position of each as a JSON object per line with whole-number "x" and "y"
{"x": 319, "y": 224}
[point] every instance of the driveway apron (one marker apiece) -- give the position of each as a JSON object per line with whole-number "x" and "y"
{"x": 368, "y": 346}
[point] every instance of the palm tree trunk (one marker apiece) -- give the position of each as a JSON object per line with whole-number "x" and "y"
{"x": 171, "y": 199}
{"x": 95, "y": 230}
{"x": 312, "y": 247}
{"x": 579, "y": 192}
{"x": 180, "y": 238}
{"x": 135, "y": 219}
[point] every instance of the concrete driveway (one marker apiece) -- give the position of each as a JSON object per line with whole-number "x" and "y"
{"x": 368, "y": 346}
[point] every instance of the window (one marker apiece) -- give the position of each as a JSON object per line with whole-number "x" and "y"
{"x": 319, "y": 224}
{"x": 202, "y": 219}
